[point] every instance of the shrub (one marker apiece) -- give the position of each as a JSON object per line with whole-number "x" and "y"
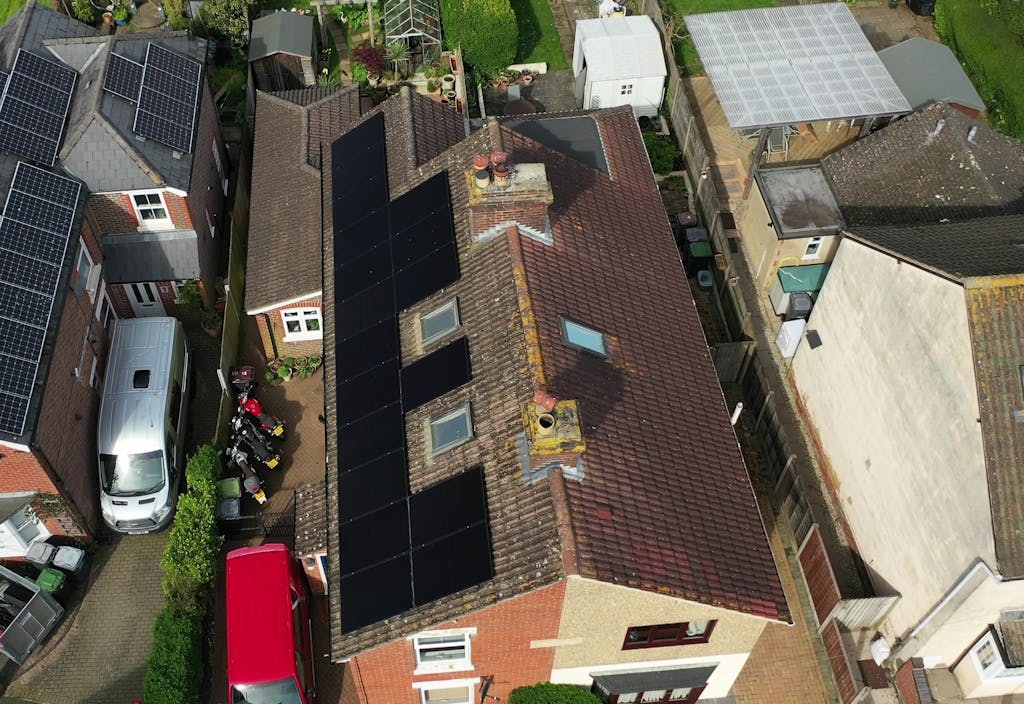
{"x": 84, "y": 11}
{"x": 190, "y": 559}
{"x": 486, "y": 31}
{"x": 359, "y": 73}
{"x": 176, "y": 14}
{"x": 174, "y": 671}
{"x": 547, "y": 693}
{"x": 228, "y": 20}
{"x": 371, "y": 56}
{"x": 662, "y": 152}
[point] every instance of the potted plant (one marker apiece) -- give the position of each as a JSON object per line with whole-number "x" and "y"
{"x": 211, "y": 322}
{"x": 431, "y": 86}
{"x": 188, "y": 293}
{"x": 121, "y": 14}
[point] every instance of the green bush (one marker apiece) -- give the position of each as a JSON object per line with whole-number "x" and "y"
{"x": 176, "y": 14}
{"x": 547, "y": 693}
{"x": 486, "y": 31}
{"x": 227, "y": 20}
{"x": 662, "y": 152}
{"x": 987, "y": 39}
{"x": 174, "y": 671}
{"x": 84, "y": 11}
{"x": 190, "y": 559}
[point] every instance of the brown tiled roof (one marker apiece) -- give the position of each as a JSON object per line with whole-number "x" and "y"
{"x": 906, "y": 173}
{"x": 997, "y": 333}
{"x": 310, "y": 518}
{"x": 284, "y": 211}
{"x": 660, "y": 451}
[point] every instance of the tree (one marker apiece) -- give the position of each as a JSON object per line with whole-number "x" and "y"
{"x": 486, "y": 31}
{"x": 84, "y": 11}
{"x": 228, "y": 20}
{"x": 370, "y": 56}
{"x": 547, "y": 693}
{"x": 398, "y": 53}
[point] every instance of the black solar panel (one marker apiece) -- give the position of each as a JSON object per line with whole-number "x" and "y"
{"x": 34, "y": 232}
{"x": 367, "y": 349}
{"x": 3, "y": 81}
{"x": 436, "y": 374}
{"x": 35, "y": 107}
{"x": 448, "y": 507}
{"x": 372, "y": 436}
{"x": 168, "y": 98}
{"x": 355, "y": 238}
{"x": 375, "y": 594}
{"x": 375, "y": 537}
{"x": 452, "y": 564}
{"x": 361, "y": 395}
{"x": 365, "y": 309}
{"x": 427, "y": 276}
{"x": 364, "y": 271}
{"x": 123, "y": 77}
{"x": 423, "y": 238}
{"x": 372, "y": 485}
{"x": 428, "y": 197}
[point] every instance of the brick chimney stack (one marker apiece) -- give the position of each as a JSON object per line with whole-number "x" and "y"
{"x": 502, "y": 194}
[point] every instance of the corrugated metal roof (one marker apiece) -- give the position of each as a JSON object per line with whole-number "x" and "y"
{"x": 621, "y": 47}
{"x": 785, "y": 65}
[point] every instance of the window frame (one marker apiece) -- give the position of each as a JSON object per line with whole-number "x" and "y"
{"x": 566, "y": 323}
{"x": 625, "y": 89}
{"x": 425, "y": 667}
{"x": 692, "y": 697}
{"x": 812, "y": 250}
{"x": 450, "y": 305}
{"x": 680, "y": 637}
{"x": 220, "y": 166}
{"x": 30, "y": 518}
{"x": 463, "y": 410}
{"x": 469, "y": 684}
{"x": 304, "y": 333}
{"x": 90, "y": 279}
{"x": 104, "y": 306}
{"x": 151, "y": 224}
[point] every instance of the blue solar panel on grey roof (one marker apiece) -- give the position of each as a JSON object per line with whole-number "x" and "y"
{"x": 35, "y": 107}
{"x": 34, "y": 233}
{"x": 168, "y": 98}
{"x": 123, "y": 77}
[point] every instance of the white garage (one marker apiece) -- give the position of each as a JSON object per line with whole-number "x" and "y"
{"x": 619, "y": 61}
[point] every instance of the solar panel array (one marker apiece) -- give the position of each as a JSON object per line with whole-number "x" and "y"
{"x": 123, "y": 77}
{"x": 34, "y": 232}
{"x": 397, "y": 550}
{"x": 168, "y": 98}
{"x": 35, "y": 107}
{"x": 787, "y": 65}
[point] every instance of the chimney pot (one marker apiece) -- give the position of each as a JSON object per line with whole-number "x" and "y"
{"x": 483, "y": 178}
{"x": 545, "y": 400}
{"x": 498, "y": 158}
{"x": 481, "y": 161}
{"x": 501, "y": 177}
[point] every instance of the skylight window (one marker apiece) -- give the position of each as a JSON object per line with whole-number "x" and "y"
{"x": 439, "y": 322}
{"x": 583, "y": 338}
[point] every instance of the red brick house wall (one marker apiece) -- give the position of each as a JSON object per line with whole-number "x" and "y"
{"x": 272, "y": 332}
{"x": 206, "y": 192}
{"x": 500, "y": 648}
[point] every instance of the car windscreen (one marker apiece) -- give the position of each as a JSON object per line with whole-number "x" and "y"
{"x": 279, "y": 692}
{"x": 132, "y": 475}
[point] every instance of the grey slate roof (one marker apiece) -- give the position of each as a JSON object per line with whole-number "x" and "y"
{"x": 960, "y": 251}
{"x": 926, "y": 71}
{"x": 150, "y": 256}
{"x": 281, "y": 33}
{"x": 914, "y": 172}
{"x": 31, "y": 26}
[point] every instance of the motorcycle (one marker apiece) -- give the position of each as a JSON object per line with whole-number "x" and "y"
{"x": 250, "y": 480}
{"x": 251, "y": 405}
{"x": 256, "y": 441}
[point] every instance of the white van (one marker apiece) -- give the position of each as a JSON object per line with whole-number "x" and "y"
{"x": 141, "y": 432}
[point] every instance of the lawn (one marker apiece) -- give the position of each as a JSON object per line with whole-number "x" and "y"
{"x": 685, "y": 51}
{"x": 538, "y": 37}
{"x": 10, "y": 7}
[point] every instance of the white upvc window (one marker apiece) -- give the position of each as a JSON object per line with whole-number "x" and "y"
{"x": 447, "y": 691}
{"x": 626, "y": 89}
{"x": 451, "y": 430}
{"x": 25, "y": 527}
{"x": 302, "y": 324}
{"x": 439, "y": 322}
{"x": 104, "y": 308}
{"x": 988, "y": 659}
{"x": 220, "y": 165}
{"x": 88, "y": 272}
{"x": 443, "y": 651}
{"x": 209, "y": 221}
{"x": 813, "y": 248}
{"x": 151, "y": 211}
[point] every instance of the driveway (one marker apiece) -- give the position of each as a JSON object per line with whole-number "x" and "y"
{"x": 98, "y": 653}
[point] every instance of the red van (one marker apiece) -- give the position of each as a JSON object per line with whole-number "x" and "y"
{"x": 269, "y": 642}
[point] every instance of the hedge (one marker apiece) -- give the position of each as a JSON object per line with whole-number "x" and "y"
{"x": 992, "y": 55}
{"x": 547, "y": 693}
{"x": 174, "y": 671}
{"x": 486, "y": 31}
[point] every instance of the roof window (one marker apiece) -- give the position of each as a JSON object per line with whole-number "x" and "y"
{"x": 140, "y": 380}
{"x": 583, "y": 338}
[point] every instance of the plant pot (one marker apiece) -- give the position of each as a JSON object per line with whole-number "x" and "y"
{"x": 448, "y": 83}
{"x": 527, "y": 79}
{"x": 108, "y": 19}
{"x": 451, "y": 95}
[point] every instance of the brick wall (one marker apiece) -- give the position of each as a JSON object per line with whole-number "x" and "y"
{"x": 24, "y": 471}
{"x": 500, "y": 648}
{"x": 277, "y": 330}
{"x": 206, "y": 194}
{"x": 66, "y": 429}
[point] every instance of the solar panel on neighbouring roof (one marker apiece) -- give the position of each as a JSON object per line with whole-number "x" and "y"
{"x": 123, "y": 77}
{"x": 35, "y": 107}
{"x": 34, "y": 232}
{"x": 168, "y": 98}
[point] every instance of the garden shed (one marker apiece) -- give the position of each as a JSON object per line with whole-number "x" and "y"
{"x": 281, "y": 51}
{"x": 927, "y": 72}
{"x": 619, "y": 61}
